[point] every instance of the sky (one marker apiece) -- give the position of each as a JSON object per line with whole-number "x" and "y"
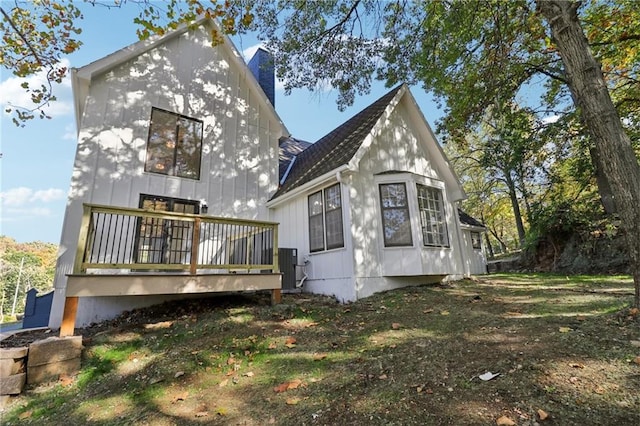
{"x": 37, "y": 160}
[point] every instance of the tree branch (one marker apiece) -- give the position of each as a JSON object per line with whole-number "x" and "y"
{"x": 13, "y": 25}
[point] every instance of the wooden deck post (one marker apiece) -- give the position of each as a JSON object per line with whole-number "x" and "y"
{"x": 276, "y": 296}
{"x": 69, "y": 317}
{"x": 193, "y": 267}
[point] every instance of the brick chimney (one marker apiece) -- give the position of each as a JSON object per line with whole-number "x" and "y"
{"x": 261, "y": 66}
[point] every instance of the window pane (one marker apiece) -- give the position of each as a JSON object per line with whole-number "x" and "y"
{"x": 315, "y": 204}
{"x": 175, "y": 145}
{"x": 161, "y": 145}
{"x": 316, "y": 233}
{"x": 332, "y": 198}
{"x": 335, "y": 237}
{"x": 395, "y": 215}
{"x": 188, "y": 148}
{"x": 397, "y": 231}
{"x": 432, "y": 218}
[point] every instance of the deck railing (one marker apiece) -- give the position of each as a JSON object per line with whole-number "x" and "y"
{"x": 140, "y": 240}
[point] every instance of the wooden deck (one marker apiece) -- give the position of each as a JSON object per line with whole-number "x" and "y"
{"x": 135, "y": 252}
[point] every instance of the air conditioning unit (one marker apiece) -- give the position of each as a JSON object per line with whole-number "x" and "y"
{"x": 287, "y": 260}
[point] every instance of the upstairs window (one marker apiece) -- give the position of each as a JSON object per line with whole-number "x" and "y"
{"x": 396, "y": 222}
{"x": 174, "y": 146}
{"x": 325, "y": 219}
{"x": 432, "y": 218}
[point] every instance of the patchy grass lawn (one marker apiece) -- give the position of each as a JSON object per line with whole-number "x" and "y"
{"x": 568, "y": 346}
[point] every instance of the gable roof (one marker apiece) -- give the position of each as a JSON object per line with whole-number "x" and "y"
{"x": 336, "y": 148}
{"x": 81, "y": 77}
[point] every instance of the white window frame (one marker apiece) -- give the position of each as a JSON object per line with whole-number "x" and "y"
{"x": 433, "y": 218}
{"x": 163, "y": 149}
{"x": 411, "y": 182}
{"x": 322, "y": 207}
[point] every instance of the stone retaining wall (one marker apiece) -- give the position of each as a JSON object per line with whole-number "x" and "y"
{"x": 43, "y": 361}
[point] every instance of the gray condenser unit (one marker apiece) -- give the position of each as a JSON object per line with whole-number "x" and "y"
{"x": 288, "y": 259}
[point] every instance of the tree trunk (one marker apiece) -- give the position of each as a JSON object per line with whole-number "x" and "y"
{"x": 586, "y": 81}
{"x": 515, "y": 204}
{"x": 606, "y": 196}
{"x": 487, "y": 239}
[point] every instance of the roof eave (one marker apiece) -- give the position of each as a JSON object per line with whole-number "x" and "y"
{"x": 305, "y": 187}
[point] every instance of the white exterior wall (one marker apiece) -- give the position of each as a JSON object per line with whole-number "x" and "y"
{"x": 185, "y": 75}
{"x": 328, "y": 272}
{"x": 365, "y": 266}
{"x": 475, "y": 260}
{"x": 399, "y": 147}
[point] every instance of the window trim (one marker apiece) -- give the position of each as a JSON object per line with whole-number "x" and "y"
{"x": 407, "y": 208}
{"x": 479, "y": 240}
{"x": 323, "y": 215}
{"x": 172, "y": 171}
{"x": 442, "y": 212}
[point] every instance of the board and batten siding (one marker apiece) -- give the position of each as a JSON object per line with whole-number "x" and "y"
{"x": 329, "y": 272}
{"x": 184, "y": 75}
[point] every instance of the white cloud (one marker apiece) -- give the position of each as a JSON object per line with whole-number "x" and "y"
{"x": 16, "y": 215}
{"x": 48, "y": 195}
{"x": 11, "y": 92}
{"x": 16, "y": 196}
{"x": 550, "y": 119}
{"x": 20, "y": 196}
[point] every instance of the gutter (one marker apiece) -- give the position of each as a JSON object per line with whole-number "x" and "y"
{"x": 295, "y": 192}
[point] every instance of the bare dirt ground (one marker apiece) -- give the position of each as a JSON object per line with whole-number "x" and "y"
{"x": 504, "y": 349}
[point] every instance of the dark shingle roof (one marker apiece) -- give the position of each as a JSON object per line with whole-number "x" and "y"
{"x": 336, "y": 148}
{"x": 290, "y": 147}
{"x": 465, "y": 219}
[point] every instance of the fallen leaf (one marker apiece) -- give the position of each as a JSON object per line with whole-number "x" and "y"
{"x": 202, "y": 414}
{"x": 444, "y": 312}
{"x": 294, "y": 384}
{"x": 290, "y": 340}
{"x": 273, "y": 345}
{"x": 180, "y": 397}
{"x": 564, "y": 329}
{"x": 158, "y": 325}
{"x": 635, "y": 343}
{"x": 319, "y": 356}
{"x": 248, "y": 374}
{"x": 542, "y": 415}
{"x": 636, "y": 360}
{"x": 25, "y": 415}
{"x": 427, "y": 311}
{"x": 634, "y": 312}
{"x": 382, "y": 377}
{"x": 395, "y": 325}
{"x": 293, "y": 401}
{"x": 221, "y": 411}
{"x": 66, "y": 380}
{"x": 281, "y": 387}
{"x": 178, "y": 374}
{"x": 505, "y": 421}
{"x": 223, "y": 383}
{"x": 231, "y": 361}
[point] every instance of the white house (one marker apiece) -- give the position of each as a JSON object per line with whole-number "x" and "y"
{"x": 175, "y": 127}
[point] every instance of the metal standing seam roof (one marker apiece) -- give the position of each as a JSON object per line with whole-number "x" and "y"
{"x": 336, "y": 148}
